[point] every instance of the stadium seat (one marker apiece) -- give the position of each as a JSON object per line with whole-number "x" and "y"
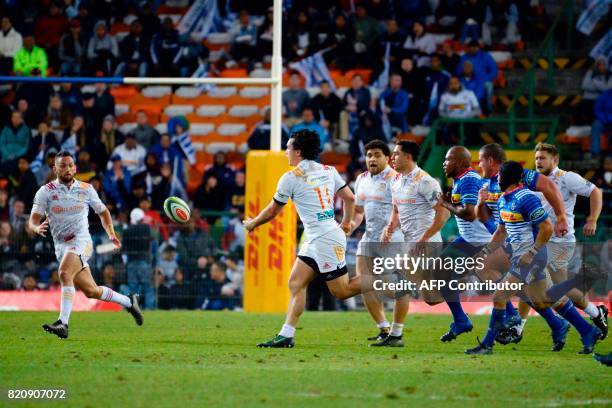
{"x": 127, "y": 127}
{"x": 254, "y": 92}
{"x": 242, "y": 111}
{"x": 260, "y": 73}
{"x": 231, "y": 129}
{"x": 178, "y": 110}
{"x": 209, "y": 111}
{"x": 127, "y": 20}
{"x": 188, "y": 92}
{"x": 126, "y": 118}
{"x": 222, "y": 91}
{"x": 219, "y": 38}
{"x": 156, "y": 91}
{"x": 200, "y": 129}
{"x": 123, "y": 94}
{"x": 162, "y": 128}
{"x": 121, "y": 108}
{"x": 234, "y": 73}
{"x": 214, "y": 148}
{"x": 243, "y": 148}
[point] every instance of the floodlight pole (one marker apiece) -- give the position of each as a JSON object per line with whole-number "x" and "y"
{"x": 276, "y": 89}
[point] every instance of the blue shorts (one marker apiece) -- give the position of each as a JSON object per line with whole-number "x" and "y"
{"x": 462, "y": 247}
{"x": 532, "y": 272}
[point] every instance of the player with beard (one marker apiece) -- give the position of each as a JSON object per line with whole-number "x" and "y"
{"x": 65, "y": 203}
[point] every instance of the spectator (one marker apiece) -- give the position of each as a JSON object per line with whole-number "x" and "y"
{"x": 210, "y": 196}
{"x": 44, "y": 140}
{"x": 86, "y": 19}
{"x": 58, "y": 115}
{"x": 259, "y": 139}
{"x": 327, "y": 107}
{"x": 10, "y": 43}
{"x": 167, "y": 262}
{"x": 191, "y": 55}
{"x": 134, "y": 50}
{"x": 244, "y": 39}
{"x": 30, "y": 59}
{"x": 24, "y": 183}
{"x": 180, "y": 294}
{"x": 237, "y": 192}
{"x": 138, "y": 193}
{"x": 109, "y": 277}
{"x": 470, "y": 81}
{"x": 70, "y": 9}
{"x": 235, "y": 273}
{"x": 394, "y": 36}
{"x": 151, "y": 24}
{"x": 471, "y": 18}
{"x": 137, "y": 247}
{"x": 309, "y": 122}
{"x": 132, "y": 154}
{"x": 164, "y": 49}
{"x": 4, "y": 205}
{"x": 340, "y": 39}
{"x": 603, "y": 121}
{"x": 102, "y": 51}
{"x": 97, "y": 185}
{"x": 117, "y": 183}
{"x": 485, "y": 68}
{"x": 153, "y": 219}
{"x": 446, "y": 14}
{"x": 71, "y": 97}
{"x": 295, "y": 99}
{"x": 603, "y": 180}
{"x": 29, "y": 283}
{"x": 412, "y": 83}
{"x": 264, "y": 36}
{"x": 75, "y": 136}
{"x": 49, "y": 29}
{"x": 29, "y": 117}
{"x": 366, "y": 32}
{"x": 45, "y": 172}
{"x": 448, "y": 57}
{"x": 18, "y": 218}
{"x": 191, "y": 244}
{"x": 356, "y": 101}
{"x": 14, "y": 140}
{"x": 596, "y": 81}
{"x": 222, "y": 171}
{"x": 369, "y": 129}
{"x": 72, "y": 50}
{"x": 6, "y": 239}
{"x": 110, "y": 138}
{"x": 85, "y": 169}
{"x": 302, "y": 39}
{"x": 458, "y": 103}
{"x": 163, "y": 291}
{"x": 394, "y": 103}
{"x": 145, "y": 134}
{"x": 501, "y": 22}
{"x": 104, "y": 103}
{"x": 420, "y": 45}
{"x": 219, "y": 290}
{"x": 409, "y": 11}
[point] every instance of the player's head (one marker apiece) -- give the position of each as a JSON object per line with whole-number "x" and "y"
{"x": 546, "y": 158}
{"x": 510, "y": 174}
{"x": 405, "y": 155}
{"x": 303, "y": 145}
{"x": 490, "y": 158}
{"x": 377, "y": 156}
{"x": 457, "y": 160}
{"x": 64, "y": 167}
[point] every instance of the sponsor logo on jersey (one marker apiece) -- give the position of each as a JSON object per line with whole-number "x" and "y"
{"x": 537, "y": 214}
{"x": 74, "y": 208}
{"x": 325, "y": 215}
{"x": 313, "y": 181}
{"x": 510, "y": 216}
{"x": 493, "y": 197}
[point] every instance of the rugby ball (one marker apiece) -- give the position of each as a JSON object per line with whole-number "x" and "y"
{"x": 177, "y": 210}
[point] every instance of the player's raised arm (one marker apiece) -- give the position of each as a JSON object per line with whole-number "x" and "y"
{"x": 266, "y": 215}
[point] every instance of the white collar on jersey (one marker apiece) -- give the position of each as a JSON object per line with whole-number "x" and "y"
{"x": 382, "y": 174}
{"x": 412, "y": 173}
{"x": 554, "y": 171}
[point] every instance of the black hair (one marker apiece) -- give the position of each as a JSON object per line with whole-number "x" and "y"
{"x": 307, "y": 142}
{"x": 510, "y": 173}
{"x": 378, "y": 144}
{"x": 494, "y": 151}
{"x": 62, "y": 153}
{"x": 411, "y": 148}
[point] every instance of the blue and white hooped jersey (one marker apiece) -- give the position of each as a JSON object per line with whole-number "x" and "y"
{"x": 465, "y": 191}
{"x": 530, "y": 180}
{"x": 521, "y": 211}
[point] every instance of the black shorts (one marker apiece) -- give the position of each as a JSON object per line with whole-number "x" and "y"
{"x": 327, "y": 276}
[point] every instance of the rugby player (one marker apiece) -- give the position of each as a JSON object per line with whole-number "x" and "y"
{"x": 526, "y": 226}
{"x": 373, "y": 204}
{"x": 312, "y": 187}
{"x": 65, "y": 203}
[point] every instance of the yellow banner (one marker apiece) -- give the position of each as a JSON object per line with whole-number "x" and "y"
{"x": 270, "y": 249}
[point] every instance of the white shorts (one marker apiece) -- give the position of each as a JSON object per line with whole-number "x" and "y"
{"x": 328, "y": 250}
{"x": 559, "y": 254}
{"x": 81, "y": 247}
{"x": 375, "y": 249}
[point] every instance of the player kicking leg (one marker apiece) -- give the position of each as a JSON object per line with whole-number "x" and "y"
{"x": 65, "y": 202}
{"x": 312, "y": 187}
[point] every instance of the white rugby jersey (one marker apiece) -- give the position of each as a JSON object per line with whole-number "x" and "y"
{"x": 312, "y": 187}
{"x": 67, "y": 209}
{"x": 415, "y": 195}
{"x": 373, "y": 193}
{"x": 570, "y": 184}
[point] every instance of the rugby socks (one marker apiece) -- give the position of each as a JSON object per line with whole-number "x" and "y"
{"x": 591, "y": 310}
{"x": 522, "y": 326}
{"x": 383, "y": 325}
{"x": 396, "y": 329}
{"x": 109, "y": 295}
{"x": 554, "y": 322}
{"x": 511, "y": 310}
{"x": 66, "y": 303}
{"x": 569, "y": 313}
{"x": 454, "y": 304}
{"x": 556, "y": 292}
{"x": 496, "y": 323}
{"x": 287, "y": 331}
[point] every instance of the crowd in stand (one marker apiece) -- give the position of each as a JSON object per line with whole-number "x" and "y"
{"x": 437, "y": 64}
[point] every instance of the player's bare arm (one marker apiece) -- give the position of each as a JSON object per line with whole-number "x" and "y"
{"x": 358, "y": 216}
{"x": 266, "y": 215}
{"x": 464, "y": 211}
{"x": 552, "y": 194}
{"x": 392, "y": 226}
{"x": 545, "y": 231}
{"x": 440, "y": 217}
{"x": 107, "y": 224}
{"x": 348, "y": 200}
{"x": 498, "y": 238}
{"x": 482, "y": 211}
{"x": 36, "y": 226}
{"x": 595, "y": 202}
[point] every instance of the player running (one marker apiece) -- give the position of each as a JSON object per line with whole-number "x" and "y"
{"x": 526, "y": 226}
{"x": 65, "y": 202}
{"x": 312, "y": 187}
{"x": 374, "y": 204}
{"x": 415, "y": 210}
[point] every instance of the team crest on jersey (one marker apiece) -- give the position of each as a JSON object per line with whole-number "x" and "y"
{"x": 55, "y": 197}
{"x": 339, "y": 252}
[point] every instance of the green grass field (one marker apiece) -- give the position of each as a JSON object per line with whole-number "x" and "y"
{"x": 184, "y": 359}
